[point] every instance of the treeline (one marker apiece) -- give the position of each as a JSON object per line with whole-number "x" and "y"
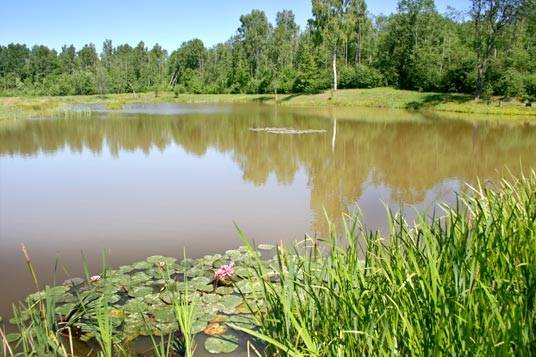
{"x": 491, "y": 50}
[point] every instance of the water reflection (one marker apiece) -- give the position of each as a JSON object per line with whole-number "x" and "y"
{"x": 145, "y": 184}
{"x": 409, "y": 157}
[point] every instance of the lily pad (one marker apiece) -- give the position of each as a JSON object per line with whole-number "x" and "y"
{"x": 221, "y": 344}
{"x": 198, "y": 326}
{"x": 126, "y": 268}
{"x": 243, "y": 320}
{"x": 135, "y": 305}
{"x": 73, "y": 282}
{"x": 142, "y": 265}
{"x": 224, "y": 290}
{"x": 219, "y": 318}
{"x": 215, "y": 329}
{"x": 164, "y": 314}
{"x": 158, "y": 260}
{"x": 230, "y": 302}
{"x": 64, "y": 309}
{"x": 152, "y": 299}
{"x": 140, "y": 291}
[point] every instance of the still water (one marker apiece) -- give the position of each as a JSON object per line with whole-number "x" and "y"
{"x": 154, "y": 179}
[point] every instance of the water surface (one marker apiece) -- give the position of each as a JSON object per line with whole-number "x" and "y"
{"x": 154, "y": 179}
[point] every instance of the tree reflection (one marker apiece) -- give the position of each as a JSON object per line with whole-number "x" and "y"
{"x": 409, "y": 155}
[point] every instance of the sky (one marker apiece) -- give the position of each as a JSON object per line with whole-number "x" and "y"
{"x": 167, "y": 22}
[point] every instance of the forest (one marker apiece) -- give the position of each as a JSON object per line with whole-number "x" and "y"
{"x": 488, "y": 49}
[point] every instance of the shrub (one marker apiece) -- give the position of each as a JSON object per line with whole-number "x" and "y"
{"x": 511, "y": 84}
{"x": 460, "y": 79}
{"x": 360, "y": 76}
{"x": 530, "y": 86}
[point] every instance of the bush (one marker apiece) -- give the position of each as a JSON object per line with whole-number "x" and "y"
{"x": 460, "y": 79}
{"x": 530, "y": 86}
{"x": 511, "y": 84}
{"x": 360, "y": 76}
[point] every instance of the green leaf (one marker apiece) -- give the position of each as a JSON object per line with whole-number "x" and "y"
{"x": 221, "y": 344}
{"x": 12, "y": 337}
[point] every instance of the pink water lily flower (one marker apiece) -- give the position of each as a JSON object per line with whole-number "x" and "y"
{"x": 95, "y": 278}
{"x": 225, "y": 271}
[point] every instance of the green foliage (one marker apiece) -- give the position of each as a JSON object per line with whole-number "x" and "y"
{"x": 511, "y": 84}
{"x": 462, "y": 284}
{"x": 530, "y": 86}
{"x": 360, "y": 76}
{"x": 414, "y": 48}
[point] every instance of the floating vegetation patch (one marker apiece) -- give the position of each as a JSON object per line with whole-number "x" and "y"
{"x": 288, "y": 131}
{"x": 146, "y": 297}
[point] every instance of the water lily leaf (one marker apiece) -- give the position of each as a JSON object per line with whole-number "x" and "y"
{"x": 219, "y": 318}
{"x": 244, "y": 272}
{"x": 198, "y": 326}
{"x": 162, "y": 329}
{"x": 158, "y": 259}
{"x": 66, "y": 298}
{"x": 201, "y": 283}
{"x": 187, "y": 262}
{"x": 135, "y": 306}
{"x": 265, "y": 247}
{"x": 73, "y": 282}
{"x": 56, "y": 291}
{"x": 245, "y": 309}
{"x": 152, "y": 299}
{"x": 142, "y": 265}
{"x": 140, "y": 291}
{"x": 164, "y": 314}
{"x": 219, "y": 262}
{"x": 210, "y": 299}
{"x": 243, "y": 320}
{"x": 221, "y": 344}
{"x": 230, "y": 302}
{"x": 215, "y": 329}
{"x": 125, "y": 269}
{"x": 244, "y": 287}
{"x": 224, "y": 290}
{"x": 64, "y": 309}
{"x": 138, "y": 279}
{"x": 157, "y": 283}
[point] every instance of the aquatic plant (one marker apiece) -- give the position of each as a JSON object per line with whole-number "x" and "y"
{"x": 460, "y": 283}
{"x": 224, "y": 273}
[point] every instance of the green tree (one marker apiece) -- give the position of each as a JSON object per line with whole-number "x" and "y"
{"x": 329, "y": 23}
{"x": 253, "y": 34}
{"x": 490, "y": 19}
{"x": 283, "y": 47}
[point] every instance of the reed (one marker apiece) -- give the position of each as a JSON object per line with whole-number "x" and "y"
{"x": 463, "y": 283}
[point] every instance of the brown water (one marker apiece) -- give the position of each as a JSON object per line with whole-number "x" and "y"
{"x": 154, "y": 179}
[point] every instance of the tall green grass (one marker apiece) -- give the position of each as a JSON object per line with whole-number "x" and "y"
{"x": 460, "y": 284}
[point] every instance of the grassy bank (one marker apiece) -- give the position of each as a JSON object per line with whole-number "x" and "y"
{"x": 464, "y": 284}
{"x": 23, "y": 107}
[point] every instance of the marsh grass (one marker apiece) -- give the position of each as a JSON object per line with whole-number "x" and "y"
{"x": 460, "y": 284}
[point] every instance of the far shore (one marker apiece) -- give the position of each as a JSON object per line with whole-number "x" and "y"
{"x": 387, "y": 98}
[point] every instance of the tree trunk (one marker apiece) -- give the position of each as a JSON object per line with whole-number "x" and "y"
{"x": 334, "y": 69}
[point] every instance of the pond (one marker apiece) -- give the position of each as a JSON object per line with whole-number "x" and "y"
{"x": 157, "y": 179}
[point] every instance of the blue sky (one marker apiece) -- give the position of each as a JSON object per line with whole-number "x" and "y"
{"x": 168, "y": 22}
